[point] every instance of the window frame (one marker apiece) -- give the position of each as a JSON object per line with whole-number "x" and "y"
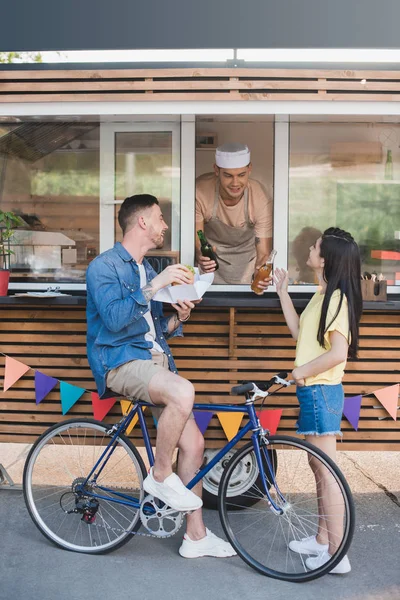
{"x": 185, "y": 113}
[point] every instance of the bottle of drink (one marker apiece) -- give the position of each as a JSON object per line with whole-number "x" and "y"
{"x": 262, "y": 273}
{"x": 206, "y": 248}
{"x": 389, "y": 165}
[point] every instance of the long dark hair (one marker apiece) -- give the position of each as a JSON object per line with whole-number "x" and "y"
{"x": 342, "y": 271}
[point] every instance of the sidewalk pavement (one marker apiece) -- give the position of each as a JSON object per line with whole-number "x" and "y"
{"x": 32, "y": 568}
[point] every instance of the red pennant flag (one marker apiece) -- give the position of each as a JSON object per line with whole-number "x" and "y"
{"x": 389, "y": 398}
{"x": 13, "y": 371}
{"x": 269, "y": 419}
{"x": 101, "y": 407}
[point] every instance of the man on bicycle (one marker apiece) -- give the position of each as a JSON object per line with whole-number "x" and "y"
{"x": 128, "y": 353}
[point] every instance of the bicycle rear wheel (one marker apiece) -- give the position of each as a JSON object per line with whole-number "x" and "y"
{"x": 59, "y": 503}
{"x": 261, "y": 536}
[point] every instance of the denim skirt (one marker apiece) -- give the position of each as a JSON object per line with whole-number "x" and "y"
{"x": 321, "y": 408}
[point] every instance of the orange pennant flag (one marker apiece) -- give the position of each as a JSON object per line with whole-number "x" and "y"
{"x": 389, "y": 398}
{"x": 13, "y": 371}
{"x": 270, "y": 418}
{"x": 125, "y": 408}
{"x": 230, "y": 423}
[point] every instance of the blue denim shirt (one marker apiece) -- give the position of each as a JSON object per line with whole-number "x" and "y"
{"x": 116, "y": 326}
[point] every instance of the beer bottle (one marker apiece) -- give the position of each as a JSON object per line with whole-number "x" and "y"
{"x": 263, "y": 272}
{"x": 206, "y": 248}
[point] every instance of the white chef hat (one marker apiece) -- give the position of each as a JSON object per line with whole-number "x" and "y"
{"x": 232, "y": 156}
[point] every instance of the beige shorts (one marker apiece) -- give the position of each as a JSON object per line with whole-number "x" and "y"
{"x": 133, "y": 378}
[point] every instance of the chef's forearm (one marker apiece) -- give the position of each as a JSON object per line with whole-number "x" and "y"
{"x": 263, "y": 250}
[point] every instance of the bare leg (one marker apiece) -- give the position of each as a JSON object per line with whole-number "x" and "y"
{"x": 177, "y": 396}
{"x": 191, "y": 452}
{"x": 330, "y": 501}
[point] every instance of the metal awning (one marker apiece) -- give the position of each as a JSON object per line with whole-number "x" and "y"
{"x": 32, "y": 141}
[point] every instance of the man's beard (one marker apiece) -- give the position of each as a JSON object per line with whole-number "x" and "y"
{"x": 158, "y": 242}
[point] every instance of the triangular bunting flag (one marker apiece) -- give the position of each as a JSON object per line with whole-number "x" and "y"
{"x": 43, "y": 385}
{"x": 230, "y": 423}
{"x": 202, "y": 419}
{"x": 13, "y": 371}
{"x": 125, "y": 408}
{"x": 351, "y": 410}
{"x": 101, "y": 407}
{"x": 389, "y": 398}
{"x": 69, "y": 395}
{"x": 270, "y": 418}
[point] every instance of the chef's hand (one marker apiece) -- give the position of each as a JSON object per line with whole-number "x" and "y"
{"x": 206, "y": 265}
{"x": 263, "y": 283}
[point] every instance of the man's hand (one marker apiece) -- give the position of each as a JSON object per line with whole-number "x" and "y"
{"x": 184, "y": 308}
{"x": 172, "y": 274}
{"x": 298, "y": 377}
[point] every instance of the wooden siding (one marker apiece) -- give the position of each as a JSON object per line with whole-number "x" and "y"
{"x": 221, "y": 347}
{"x": 198, "y": 84}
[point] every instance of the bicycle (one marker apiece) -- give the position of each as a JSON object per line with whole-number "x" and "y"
{"x": 83, "y": 489}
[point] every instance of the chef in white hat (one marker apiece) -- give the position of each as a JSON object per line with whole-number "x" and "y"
{"x": 235, "y": 214}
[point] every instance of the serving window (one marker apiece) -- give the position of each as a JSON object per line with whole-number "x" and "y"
{"x": 67, "y": 176}
{"x": 234, "y": 204}
{"x": 345, "y": 173}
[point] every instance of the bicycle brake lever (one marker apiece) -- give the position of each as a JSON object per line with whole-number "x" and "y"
{"x": 283, "y": 381}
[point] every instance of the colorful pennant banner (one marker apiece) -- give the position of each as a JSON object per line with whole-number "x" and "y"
{"x": 13, "y": 371}
{"x": 230, "y": 422}
{"x": 69, "y": 395}
{"x": 202, "y": 418}
{"x": 43, "y": 385}
{"x": 270, "y": 418}
{"x": 351, "y": 410}
{"x": 389, "y": 398}
{"x": 126, "y": 405}
{"x": 101, "y": 407}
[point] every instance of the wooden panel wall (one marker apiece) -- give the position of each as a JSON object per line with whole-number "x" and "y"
{"x": 198, "y": 84}
{"x": 221, "y": 347}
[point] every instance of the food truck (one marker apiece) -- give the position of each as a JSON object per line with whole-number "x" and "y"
{"x": 325, "y": 146}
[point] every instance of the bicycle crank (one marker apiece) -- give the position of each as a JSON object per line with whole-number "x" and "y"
{"x": 159, "y": 519}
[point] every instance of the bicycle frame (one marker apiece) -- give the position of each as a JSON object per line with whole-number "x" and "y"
{"x": 252, "y": 425}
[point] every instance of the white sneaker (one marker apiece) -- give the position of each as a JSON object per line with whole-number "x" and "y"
{"x": 315, "y": 562}
{"x": 308, "y": 545}
{"x": 210, "y": 545}
{"x": 172, "y": 492}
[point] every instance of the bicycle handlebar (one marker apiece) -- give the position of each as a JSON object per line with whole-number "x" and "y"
{"x": 249, "y": 386}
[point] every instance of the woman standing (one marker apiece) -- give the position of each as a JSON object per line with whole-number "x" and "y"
{"x": 326, "y": 333}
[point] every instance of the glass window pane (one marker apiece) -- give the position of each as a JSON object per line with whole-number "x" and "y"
{"x": 144, "y": 165}
{"x": 49, "y": 176}
{"x": 241, "y": 239}
{"x": 345, "y": 174}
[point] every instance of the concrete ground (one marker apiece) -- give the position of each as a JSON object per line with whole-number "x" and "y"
{"x": 32, "y": 568}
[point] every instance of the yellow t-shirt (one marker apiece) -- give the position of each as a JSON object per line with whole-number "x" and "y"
{"x": 308, "y": 347}
{"x": 260, "y": 206}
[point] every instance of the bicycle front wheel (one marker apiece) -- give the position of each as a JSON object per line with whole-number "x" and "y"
{"x": 313, "y": 498}
{"x": 93, "y": 517}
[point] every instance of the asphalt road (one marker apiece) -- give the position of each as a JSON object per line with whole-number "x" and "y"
{"x": 32, "y": 568}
